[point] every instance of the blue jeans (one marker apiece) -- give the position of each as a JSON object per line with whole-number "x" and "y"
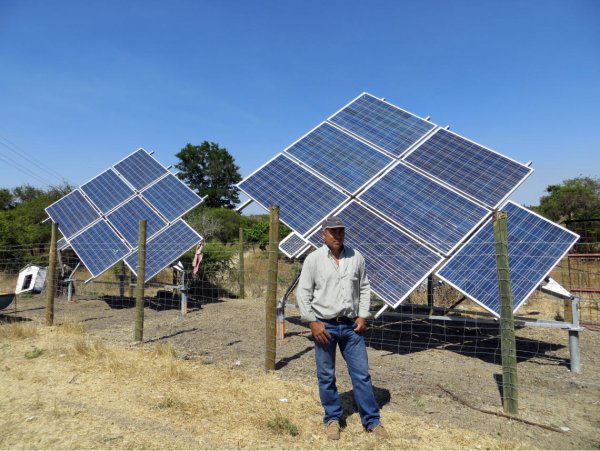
{"x": 354, "y": 351}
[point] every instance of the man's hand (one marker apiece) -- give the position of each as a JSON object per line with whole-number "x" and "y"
{"x": 361, "y": 325}
{"x": 319, "y": 333}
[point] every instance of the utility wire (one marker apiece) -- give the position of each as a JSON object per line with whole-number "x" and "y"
{"x": 26, "y": 168}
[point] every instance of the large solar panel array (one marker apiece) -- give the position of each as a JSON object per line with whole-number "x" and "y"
{"x": 535, "y": 246}
{"x": 434, "y": 191}
{"x": 100, "y": 220}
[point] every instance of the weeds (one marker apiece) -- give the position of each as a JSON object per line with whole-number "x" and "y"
{"x": 36, "y": 352}
{"x": 281, "y": 425}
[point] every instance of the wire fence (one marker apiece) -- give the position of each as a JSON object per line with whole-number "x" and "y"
{"x": 418, "y": 351}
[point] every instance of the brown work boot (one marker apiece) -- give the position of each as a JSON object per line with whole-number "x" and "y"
{"x": 379, "y": 431}
{"x": 333, "y": 430}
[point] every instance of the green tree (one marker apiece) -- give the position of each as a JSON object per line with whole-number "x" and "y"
{"x": 22, "y": 233}
{"x": 212, "y": 172}
{"x": 577, "y": 198}
{"x": 6, "y": 199}
{"x": 258, "y": 233}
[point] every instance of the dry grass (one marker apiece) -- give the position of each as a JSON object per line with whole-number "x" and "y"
{"x": 97, "y": 396}
{"x": 18, "y": 330}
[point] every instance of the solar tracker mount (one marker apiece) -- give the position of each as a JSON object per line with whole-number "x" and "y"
{"x": 421, "y": 190}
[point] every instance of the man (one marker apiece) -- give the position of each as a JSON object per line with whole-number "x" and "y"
{"x": 334, "y": 297}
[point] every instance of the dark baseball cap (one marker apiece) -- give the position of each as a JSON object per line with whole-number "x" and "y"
{"x": 333, "y": 222}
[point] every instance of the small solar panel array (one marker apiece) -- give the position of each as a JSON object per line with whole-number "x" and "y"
{"x": 99, "y": 221}
{"x": 410, "y": 192}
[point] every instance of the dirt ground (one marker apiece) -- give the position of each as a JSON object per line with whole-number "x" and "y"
{"x": 428, "y": 376}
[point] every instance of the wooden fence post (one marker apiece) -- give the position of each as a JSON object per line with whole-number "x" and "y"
{"x": 510, "y": 383}
{"x": 138, "y": 334}
{"x": 241, "y": 265}
{"x": 271, "y": 304}
{"x": 51, "y": 277}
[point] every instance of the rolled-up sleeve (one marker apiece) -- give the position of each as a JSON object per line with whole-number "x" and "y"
{"x": 305, "y": 292}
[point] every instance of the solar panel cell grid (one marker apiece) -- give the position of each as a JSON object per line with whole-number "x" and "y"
{"x": 292, "y": 244}
{"x": 481, "y": 173}
{"x": 99, "y": 247}
{"x": 535, "y": 246}
{"x": 431, "y": 211}
{"x": 382, "y": 124}
{"x": 304, "y": 199}
{"x": 140, "y": 169}
{"x": 72, "y": 213}
{"x": 171, "y": 197}
{"x": 339, "y": 157}
{"x": 126, "y": 220}
{"x": 166, "y": 247}
{"x": 396, "y": 263}
{"x": 107, "y": 190}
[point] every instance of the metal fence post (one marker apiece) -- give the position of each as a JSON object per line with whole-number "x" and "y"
{"x": 138, "y": 334}
{"x": 574, "y": 350}
{"x": 510, "y": 383}
{"x": 51, "y": 286}
{"x": 271, "y": 304}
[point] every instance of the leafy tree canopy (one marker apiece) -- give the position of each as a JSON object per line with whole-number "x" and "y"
{"x": 211, "y": 171}
{"x": 577, "y": 198}
{"x": 21, "y": 219}
{"x": 258, "y": 233}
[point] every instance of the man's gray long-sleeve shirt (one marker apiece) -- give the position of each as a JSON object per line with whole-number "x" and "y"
{"x": 326, "y": 290}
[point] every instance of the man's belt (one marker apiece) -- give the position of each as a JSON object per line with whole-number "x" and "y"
{"x": 337, "y": 319}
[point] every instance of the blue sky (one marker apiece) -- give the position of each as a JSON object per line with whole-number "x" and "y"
{"x": 84, "y": 83}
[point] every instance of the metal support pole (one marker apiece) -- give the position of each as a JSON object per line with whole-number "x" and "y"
{"x": 183, "y": 291}
{"x": 241, "y": 265}
{"x": 138, "y": 334}
{"x": 122, "y": 281}
{"x": 574, "y": 349}
{"x": 51, "y": 287}
{"x": 510, "y": 383}
{"x": 271, "y": 304}
{"x": 430, "y": 293}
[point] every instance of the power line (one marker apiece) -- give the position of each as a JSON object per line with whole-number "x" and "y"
{"x": 26, "y": 168}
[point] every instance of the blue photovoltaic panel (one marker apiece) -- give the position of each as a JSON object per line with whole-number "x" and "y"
{"x": 396, "y": 263}
{"x": 171, "y": 197}
{"x": 166, "y": 247}
{"x": 382, "y": 124}
{"x": 434, "y": 213}
{"x": 304, "y": 199}
{"x": 72, "y": 213}
{"x": 535, "y": 247}
{"x": 292, "y": 244}
{"x": 107, "y": 190}
{"x": 126, "y": 220}
{"x": 344, "y": 160}
{"x": 140, "y": 169}
{"x": 99, "y": 247}
{"x": 483, "y": 174}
